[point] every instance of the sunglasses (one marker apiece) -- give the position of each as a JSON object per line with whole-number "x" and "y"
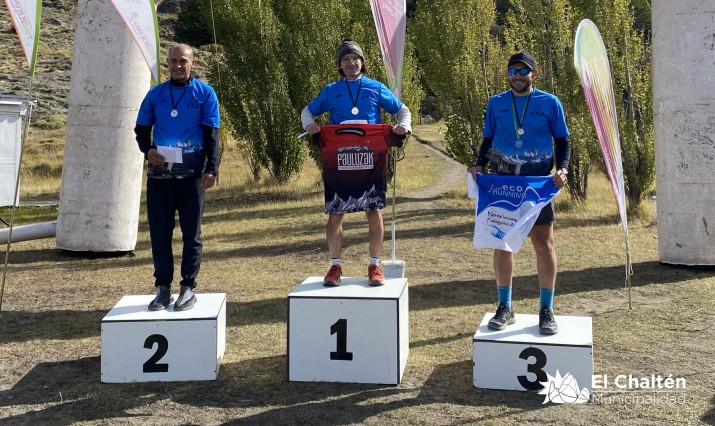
{"x": 521, "y": 71}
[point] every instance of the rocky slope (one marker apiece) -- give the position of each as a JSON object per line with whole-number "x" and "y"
{"x": 54, "y": 56}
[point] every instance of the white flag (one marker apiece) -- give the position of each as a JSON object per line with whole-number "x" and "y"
{"x": 25, "y": 16}
{"x": 507, "y": 208}
{"x": 140, "y": 18}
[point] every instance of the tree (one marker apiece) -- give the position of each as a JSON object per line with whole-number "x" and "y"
{"x": 255, "y": 87}
{"x": 193, "y": 24}
{"x": 629, "y": 51}
{"x": 547, "y": 29}
{"x": 461, "y": 63}
{"x": 276, "y": 56}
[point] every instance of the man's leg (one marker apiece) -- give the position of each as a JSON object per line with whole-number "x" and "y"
{"x": 160, "y": 205}
{"x": 376, "y": 231}
{"x": 542, "y": 238}
{"x": 503, "y": 270}
{"x": 334, "y": 235}
{"x": 191, "y": 209}
{"x": 376, "y": 234}
{"x": 503, "y": 267}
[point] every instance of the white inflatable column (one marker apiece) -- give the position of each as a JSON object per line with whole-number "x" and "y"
{"x": 684, "y": 115}
{"x": 102, "y": 170}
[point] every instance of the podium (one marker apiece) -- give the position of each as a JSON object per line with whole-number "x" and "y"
{"x": 139, "y": 345}
{"x": 519, "y": 358}
{"x": 351, "y": 333}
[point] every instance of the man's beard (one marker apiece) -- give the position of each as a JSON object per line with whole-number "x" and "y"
{"x": 526, "y": 89}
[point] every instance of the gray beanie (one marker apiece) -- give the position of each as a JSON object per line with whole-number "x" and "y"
{"x": 348, "y": 46}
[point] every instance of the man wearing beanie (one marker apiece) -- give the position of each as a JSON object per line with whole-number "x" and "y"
{"x": 354, "y": 98}
{"x": 525, "y": 134}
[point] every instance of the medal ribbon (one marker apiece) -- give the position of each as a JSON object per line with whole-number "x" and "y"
{"x": 518, "y": 123}
{"x": 351, "y": 93}
{"x": 171, "y": 93}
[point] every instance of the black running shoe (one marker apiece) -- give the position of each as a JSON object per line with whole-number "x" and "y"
{"x": 162, "y": 300}
{"x": 502, "y": 318}
{"x": 186, "y": 300}
{"x": 547, "y": 322}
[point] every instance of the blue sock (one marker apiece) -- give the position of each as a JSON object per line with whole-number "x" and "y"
{"x": 504, "y": 295}
{"x": 547, "y": 297}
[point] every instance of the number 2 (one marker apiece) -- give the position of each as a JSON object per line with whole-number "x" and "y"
{"x": 536, "y": 368}
{"x": 341, "y": 329}
{"x": 162, "y": 345}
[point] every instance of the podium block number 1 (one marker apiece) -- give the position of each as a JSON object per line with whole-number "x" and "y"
{"x": 162, "y": 346}
{"x": 341, "y": 329}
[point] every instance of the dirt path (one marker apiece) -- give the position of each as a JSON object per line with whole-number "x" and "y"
{"x": 452, "y": 175}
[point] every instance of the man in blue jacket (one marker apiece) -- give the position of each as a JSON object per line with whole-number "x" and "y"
{"x": 354, "y": 98}
{"x": 177, "y": 130}
{"x": 525, "y": 134}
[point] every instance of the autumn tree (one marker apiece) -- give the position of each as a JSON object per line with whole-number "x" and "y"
{"x": 462, "y": 64}
{"x": 546, "y": 29}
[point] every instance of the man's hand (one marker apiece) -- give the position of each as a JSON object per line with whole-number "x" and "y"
{"x": 560, "y": 178}
{"x": 474, "y": 170}
{"x": 154, "y": 157}
{"x": 399, "y": 130}
{"x": 312, "y": 128}
{"x": 207, "y": 181}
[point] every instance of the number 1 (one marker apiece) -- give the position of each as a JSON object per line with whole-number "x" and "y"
{"x": 341, "y": 328}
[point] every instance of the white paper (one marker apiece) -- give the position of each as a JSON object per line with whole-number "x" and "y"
{"x": 471, "y": 187}
{"x": 354, "y": 122}
{"x": 171, "y": 154}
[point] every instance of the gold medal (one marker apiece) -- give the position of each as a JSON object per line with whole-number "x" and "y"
{"x": 355, "y": 111}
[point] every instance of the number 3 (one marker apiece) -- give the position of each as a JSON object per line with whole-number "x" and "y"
{"x": 162, "y": 345}
{"x": 536, "y": 368}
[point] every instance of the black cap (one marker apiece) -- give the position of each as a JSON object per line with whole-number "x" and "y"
{"x": 525, "y": 58}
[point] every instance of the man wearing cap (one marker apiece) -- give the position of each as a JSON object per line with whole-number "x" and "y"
{"x": 354, "y": 98}
{"x": 525, "y": 134}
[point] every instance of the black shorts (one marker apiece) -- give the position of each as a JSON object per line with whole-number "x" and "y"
{"x": 547, "y": 215}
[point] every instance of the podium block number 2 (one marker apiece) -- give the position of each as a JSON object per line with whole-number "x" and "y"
{"x": 535, "y": 368}
{"x": 341, "y": 329}
{"x": 162, "y": 346}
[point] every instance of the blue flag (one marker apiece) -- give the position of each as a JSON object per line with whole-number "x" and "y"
{"x": 507, "y": 207}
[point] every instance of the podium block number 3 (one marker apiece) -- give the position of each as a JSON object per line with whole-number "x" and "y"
{"x": 341, "y": 329}
{"x": 535, "y": 368}
{"x": 162, "y": 345}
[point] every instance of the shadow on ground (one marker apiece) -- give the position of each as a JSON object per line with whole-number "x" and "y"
{"x": 74, "y": 394}
{"x": 74, "y": 324}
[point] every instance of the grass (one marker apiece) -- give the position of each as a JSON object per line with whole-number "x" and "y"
{"x": 261, "y": 240}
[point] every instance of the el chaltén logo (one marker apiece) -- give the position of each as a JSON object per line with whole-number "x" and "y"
{"x": 563, "y": 390}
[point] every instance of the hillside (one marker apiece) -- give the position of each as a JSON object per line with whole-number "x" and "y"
{"x": 54, "y": 56}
